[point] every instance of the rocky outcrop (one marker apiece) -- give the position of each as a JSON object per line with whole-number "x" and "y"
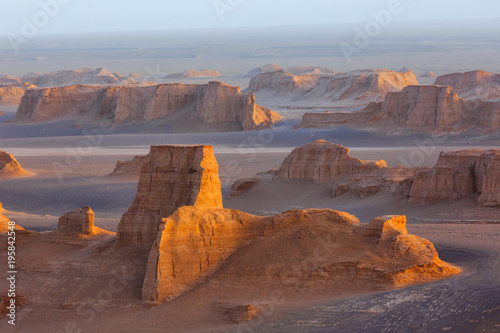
{"x": 10, "y": 167}
{"x": 194, "y": 243}
{"x": 78, "y": 222}
{"x": 473, "y": 85}
{"x": 192, "y": 74}
{"x": 353, "y": 88}
{"x": 12, "y": 90}
{"x": 213, "y": 103}
{"x": 129, "y": 169}
{"x": 323, "y": 161}
{"x": 459, "y": 174}
{"x": 422, "y": 108}
{"x": 309, "y": 70}
{"x": 428, "y": 74}
{"x": 87, "y": 76}
{"x": 264, "y": 69}
{"x": 171, "y": 177}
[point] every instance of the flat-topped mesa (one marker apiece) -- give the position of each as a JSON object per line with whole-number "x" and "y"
{"x": 424, "y": 108}
{"x": 194, "y": 243}
{"x": 171, "y": 177}
{"x": 459, "y": 174}
{"x": 211, "y": 103}
{"x": 359, "y": 87}
{"x": 78, "y": 222}
{"x": 10, "y": 167}
{"x": 323, "y": 161}
{"x": 473, "y": 85}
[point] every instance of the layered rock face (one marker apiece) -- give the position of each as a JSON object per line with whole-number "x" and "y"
{"x": 425, "y": 108}
{"x": 12, "y": 90}
{"x": 78, "y": 222}
{"x": 360, "y": 87}
{"x": 129, "y": 169}
{"x": 10, "y": 167}
{"x": 460, "y": 174}
{"x": 473, "y": 85}
{"x": 171, "y": 177}
{"x": 322, "y": 161}
{"x": 97, "y": 76}
{"x": 191, "y": 74}
{"x": 212, "y": 103}
{"x": 193, "y": 243}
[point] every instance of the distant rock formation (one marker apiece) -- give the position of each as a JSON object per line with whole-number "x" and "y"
{"x": 428, "y": 74}
{"x": 171, "y": 177}
{"x": 194, "y": 243}
{"x": 473, "y": 85}
{"x": 12, "y": 90}
{"x": 422, "y": 108}
{"x": 191, "y": 74}
{"x": 264, "y": 69}
{"x": 78, "y": 222}
{"x": 86, "y": 76}
{"x": 459, "y": 174}
{"x": 10, "y": 167}
{"x": 4, "y": 223}
{"x": 323, "y": 161}
{"x": 353, "y": 88}
{"x": 309, "y": 70}
{"x": 129, "y": 169}
{"x": 213, "y": 103}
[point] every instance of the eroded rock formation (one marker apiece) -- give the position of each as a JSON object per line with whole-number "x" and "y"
{"x": 4, "y": 223}
{"x": 353, "y": 88}
{"x": 91, "y": 76}
{"x": 422, "y": 108}
{"x": 323, "y": 161}
{"x": 129, "y": 169}
{"x": 213, "y": 103}
{"x": 78, "y": 222}
{"x": 193, "y": 243}
{"x": 191, "y": 74}
{"x": 10, "y": 167}
{"x": 459, "y": 174}
{"x": 264, "y": 69}
{"x": 171, "y": 177}
{"x": 473, "y": 85}
{"x": 12, "y": 90}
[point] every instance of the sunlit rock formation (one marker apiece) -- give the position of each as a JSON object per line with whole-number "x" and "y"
{"x": 213, "y": 103}
{"x": 78, "y": 222}
{"x": 171, "y": 177}
{"x": 4, "y": 223}
{"x": 12, "y": 90}
{"x": 10, "y": 167}
{"x": 473, "y": 85}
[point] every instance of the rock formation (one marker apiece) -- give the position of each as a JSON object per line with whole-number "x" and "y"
{"x": 192, "y": 74}
{"x": 193, "y": 243}
{"x": 473, "y": 85}
{"x": 12, "y": 90}
{"x": 4, "y": 223}
{"x": 171, "y": 177}
{"x": 85, "y": 76}
{"x": 78, "y": 222}
{"x": 428, "y": 74}
{"x": 459, "y": 174}
{"x": 129, "y": 169}
{"x": 309, "y": 70}
{"x": 353, "y": 88}
{"x": 323, "y": 161}
{"x": 212, "y": 103}
{"x": 422, "y": 108}
{"x": 10, "y": 167}
{"x": 264, "y": 69}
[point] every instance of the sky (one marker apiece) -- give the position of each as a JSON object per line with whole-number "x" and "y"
{"x": 82, "y": 16}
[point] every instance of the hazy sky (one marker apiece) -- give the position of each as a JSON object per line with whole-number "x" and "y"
{"x": 134, "y": 15}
